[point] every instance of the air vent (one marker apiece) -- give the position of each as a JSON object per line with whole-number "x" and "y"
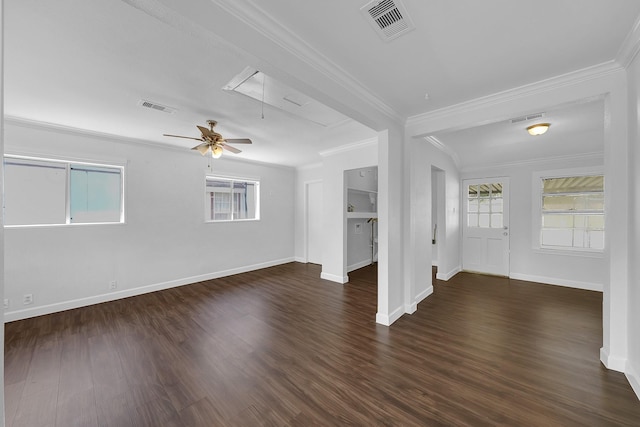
{"x": 389, "y": 18}
{"x": 527, "y": 118}
{"x": 157, "y": 107}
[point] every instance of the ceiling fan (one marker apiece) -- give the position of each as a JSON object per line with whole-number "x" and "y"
{"x": 213, "y": 142}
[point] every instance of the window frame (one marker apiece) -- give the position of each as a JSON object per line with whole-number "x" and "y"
{"x": 537, "y": 193}
{"x": 231, "y": 180}
{"x": 67, "y": 164}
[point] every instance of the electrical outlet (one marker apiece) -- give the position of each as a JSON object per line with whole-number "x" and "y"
{"x": 113, "y": 284}
{"x": 27, "y": 299}
{"x": 6, "y": 303}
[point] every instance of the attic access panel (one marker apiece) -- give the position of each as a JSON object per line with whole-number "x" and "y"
{"x": 260, "y": 87}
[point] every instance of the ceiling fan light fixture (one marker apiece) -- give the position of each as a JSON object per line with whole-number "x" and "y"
{"x": 216, "y": 151}
{"x": 538, "y": 129}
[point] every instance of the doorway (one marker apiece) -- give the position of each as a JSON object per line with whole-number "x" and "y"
{"x": 314, "y": 222}
{"x": 485, "y": 236}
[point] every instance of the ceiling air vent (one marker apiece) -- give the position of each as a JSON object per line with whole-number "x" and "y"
{"x": 156, "y": 106}
{"x": 389, "y": 18}
{"x": 527, "y": 118}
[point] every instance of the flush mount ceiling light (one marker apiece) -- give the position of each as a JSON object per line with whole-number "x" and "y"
{"x": 538, "y": 129}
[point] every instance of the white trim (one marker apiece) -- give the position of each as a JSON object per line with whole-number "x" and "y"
{"x": 611, "y": 362}
{"x": 305, "y": 217}
{"x": 367, "y": 143}
{"x": 633, "y": 378}
{"x": 358, "y": 265}
{"x": 411, "y": 308}
{"x": 542, "y": 86}
{"x": 444, "y": 148}
{"x": 424, "y": 294}
{"x": 300, "y": 260}
{"x": 434, "y": 263}
{"x": 630, "y": 46}
{"x": 536, "y": 209}
{"x": 11, "y": 316}
{"x": 588, "y": 286}
{"x": 449, "y": 275}
{"x": 388, "y": 319}
{"x": 334, "y": 278}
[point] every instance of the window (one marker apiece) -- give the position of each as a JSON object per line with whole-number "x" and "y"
{"x": 485, "y": 205}
{"x": 55, "y": 192}
{"x": 572, "y": 212}
{"x": 229, "y": 199}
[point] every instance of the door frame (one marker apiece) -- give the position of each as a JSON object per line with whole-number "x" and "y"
{"x": 506, "y": 224}
{"x": 306, "y": 218}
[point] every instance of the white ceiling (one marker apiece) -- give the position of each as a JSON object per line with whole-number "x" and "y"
{"x": 87, "y": 64}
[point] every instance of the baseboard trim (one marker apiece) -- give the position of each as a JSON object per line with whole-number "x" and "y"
{"x": 613, "y": 363}
{"x": 358, "y": 265}
{"x": 434, "y": 263}
{"x": 633, "y": 378}
{"x": 11, "y": 316}
{"x": 410, "y": 308}
{"x": 300, "y": 259}
{"x": 558, "y": 282}
{"x": 334, "y": 278}
{"x": 424, "y": 294}
{"x": 449, "y": 275}
{"x": 388, "y": 319}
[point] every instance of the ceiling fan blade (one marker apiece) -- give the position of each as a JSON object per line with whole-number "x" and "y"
{"x": 230, "y": 148}
{"x": 180, "y": 136}
{"x": 238, "y": 141}
{"x": 208, "y": 133}
{"x": 202, "y": 148}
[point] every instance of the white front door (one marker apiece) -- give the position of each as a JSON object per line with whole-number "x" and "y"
{"x": 485, "y": 238}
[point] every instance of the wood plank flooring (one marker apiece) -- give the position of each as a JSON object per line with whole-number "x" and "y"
{"x": 280, "y": 347}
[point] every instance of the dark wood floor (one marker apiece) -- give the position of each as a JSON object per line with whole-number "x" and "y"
{"x": 281, "y": 347}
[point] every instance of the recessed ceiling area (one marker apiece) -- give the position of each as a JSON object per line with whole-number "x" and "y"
{"x": 575, "y": 130}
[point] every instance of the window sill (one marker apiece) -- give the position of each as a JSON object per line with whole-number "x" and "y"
{"x": 569, "y": 252}
{"x": 77, "y": 224}
{"x": 231, "y": 220}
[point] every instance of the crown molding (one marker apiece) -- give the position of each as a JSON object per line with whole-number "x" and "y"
{"x": 444, "y": 148}
{"x": 598, "y": 155}
{"x": 542, "y": 86}
{"x": 630, "y": 46}
{"x": 367, "y": 143}
{"x": 265, "y": 24}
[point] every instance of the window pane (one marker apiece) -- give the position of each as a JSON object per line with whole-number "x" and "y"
{"x": 485, "y": 205}
{"x": 483, "y": 220}
{"x": 496, "y": 189}
{"x": 231, "y": 199}
{"x": 557, "y": 221}
{"x": 595, "y": 202}
{"x": 34, "y": 192}
{"x": 473, "y": 205}
{"x": 496, "y": 205}
{"x": 595, "y": 221}
{"x": 473, "y": 191}
{"x": 472, "y": 220}
{"x": 95, "y": 194}
{"x": 573, "y": 184}
{"x": 496, "y": 220}
{"x": 557, "y": 237}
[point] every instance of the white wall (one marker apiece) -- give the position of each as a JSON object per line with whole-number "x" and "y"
{"x": 633, "y": 360}
{"x": 422, "y": 157}
{"x": 335, "y": 163}
{"x": 165, "y": 241}
{"x": 588, "y": 271}
{"x": 304, "y": 175}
